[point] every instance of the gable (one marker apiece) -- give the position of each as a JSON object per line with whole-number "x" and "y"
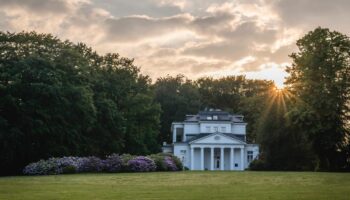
{"x": 217, "y": 138}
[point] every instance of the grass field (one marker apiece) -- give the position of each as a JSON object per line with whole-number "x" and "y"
{"x": 179, "y": 185}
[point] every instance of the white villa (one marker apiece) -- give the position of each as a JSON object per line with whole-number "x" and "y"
{"x": 212, "y": 140}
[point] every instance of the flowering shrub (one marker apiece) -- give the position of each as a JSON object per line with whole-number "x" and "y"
{"x": 166, "y": 162}
{"x": 159, "y": 161}
{"x": 141, "y": 164}
{"x": 170, "y": 164}
{"x": 91, "y": 164}
{"x": 125, "y": 159}
{"x": 41, "y": 167}
{"x": 113, "y": 163}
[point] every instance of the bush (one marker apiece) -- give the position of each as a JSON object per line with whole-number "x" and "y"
{"x": 125, "y": 159}
{"x": 159, "y": 161}
{"x": 257, "y": 165}
{"x": 170, "y": 164}
{"x": 69, "y": 169}
{"x": 141, "y": 164}
{"x": 42, "y": 167}
{"x": 113, "y": 163}
{"x": 176, "y": 160}
{"x": 92, "y": 164}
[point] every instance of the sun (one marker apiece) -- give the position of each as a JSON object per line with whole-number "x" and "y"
{"x": 278, "y": 89}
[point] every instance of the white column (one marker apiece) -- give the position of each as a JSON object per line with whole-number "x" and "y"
{"x": 174, "y": 135}
{"x": 242, "y": 160}
{"x": 192, "y": 158}
{"x": 222, "y": 158}
{"x": 202, "y": 158}
{"x": 231, "y": 159}
{"x": 211, "y": 158}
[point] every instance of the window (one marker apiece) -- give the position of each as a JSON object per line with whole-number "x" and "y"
{"x": 223, "y": 129}
{"x": 209, "y": 118}
{"x": 179, "y": 134}
{"x": 249, "y": 156}
{"x": 215, "y": 117}
{"x": 178, "y": 138}
{"x": 207, "y": 129}
{"x": 183, "y": 151}
{"x": 216, "y": 129}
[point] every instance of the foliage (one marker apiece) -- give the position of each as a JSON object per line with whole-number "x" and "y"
{"x": 319, "y": 79}
{"x": 141, "y": 164}
{"x": 177, "y": 97}
{"x": 58, "y": 98}
{"x": 166, "y": 162}
{"x": 113, "y": 163}
{"x": 258, "y": 165}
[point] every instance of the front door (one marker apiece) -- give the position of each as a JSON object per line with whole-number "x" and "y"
{"x": 217, "y": 161}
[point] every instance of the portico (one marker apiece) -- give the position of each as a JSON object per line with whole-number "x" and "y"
{"x": 217, "y": 157}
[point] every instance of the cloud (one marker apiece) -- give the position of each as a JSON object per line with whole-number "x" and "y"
{"x": 192, "y": 37}
{"x": 134, "y": 28}
{"x": 152, "y": 8}
{"x": 310, "y": 14}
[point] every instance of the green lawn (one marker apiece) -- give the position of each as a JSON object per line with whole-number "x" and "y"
{"x": 179, "y": 185}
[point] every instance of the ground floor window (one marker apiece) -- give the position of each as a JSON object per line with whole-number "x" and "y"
{"x": 249, "y": 156}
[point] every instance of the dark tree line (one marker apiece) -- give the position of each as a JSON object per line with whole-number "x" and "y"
{"x": 58, "y": 99}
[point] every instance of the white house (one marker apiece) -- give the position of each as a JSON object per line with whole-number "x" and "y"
{"x": 212, "y": 140}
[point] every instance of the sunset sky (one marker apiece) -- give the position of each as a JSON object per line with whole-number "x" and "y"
{"x": 195, "y": 38}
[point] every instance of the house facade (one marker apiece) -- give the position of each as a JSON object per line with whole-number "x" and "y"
{"x": 212, "y": 140}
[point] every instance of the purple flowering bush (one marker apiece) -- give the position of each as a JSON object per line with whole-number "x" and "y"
{"x": 166, "y": 162}
{"x": 142, "y": 164}
{"x": 112, "y": 163}
{"x": 170, "y": 164}
{"x": 92, "y": 164}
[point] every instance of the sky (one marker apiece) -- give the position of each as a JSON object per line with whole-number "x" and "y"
{"x": 195, "y": 38}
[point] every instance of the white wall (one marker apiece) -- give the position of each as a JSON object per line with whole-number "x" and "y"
{"x": 204, "y": 125}
{"x": 192, "y": 128}
{"x": 239, "y": 129}
{"x": 185, "y": 157}
{"x": 217, "y": 139}
{"x": 251, "y": 147}
{"x": 237, "y": 159}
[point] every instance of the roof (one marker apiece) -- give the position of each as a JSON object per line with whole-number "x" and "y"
{"x": 214, "y": 115}
{"x": 233, "y": 136}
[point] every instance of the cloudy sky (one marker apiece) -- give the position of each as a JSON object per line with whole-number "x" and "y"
{"x": 192, "y": 37}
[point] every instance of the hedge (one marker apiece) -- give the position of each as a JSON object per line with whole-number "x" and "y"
{"x": 112, "y": 163}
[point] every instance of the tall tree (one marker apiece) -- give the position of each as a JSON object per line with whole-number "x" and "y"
{"x": 59, "y": 99}
{"x": 177, "y": 96}
{"x": 319, "y": 79}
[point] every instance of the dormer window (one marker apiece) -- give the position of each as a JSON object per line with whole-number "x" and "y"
{"x": 215, "y": 117}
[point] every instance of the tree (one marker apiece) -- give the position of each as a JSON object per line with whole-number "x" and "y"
{"x": 60, "y": 99}
{"x": 177, "y": 96}
{"x": 281, "y": 146}
{"x": 319, "y": 79}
